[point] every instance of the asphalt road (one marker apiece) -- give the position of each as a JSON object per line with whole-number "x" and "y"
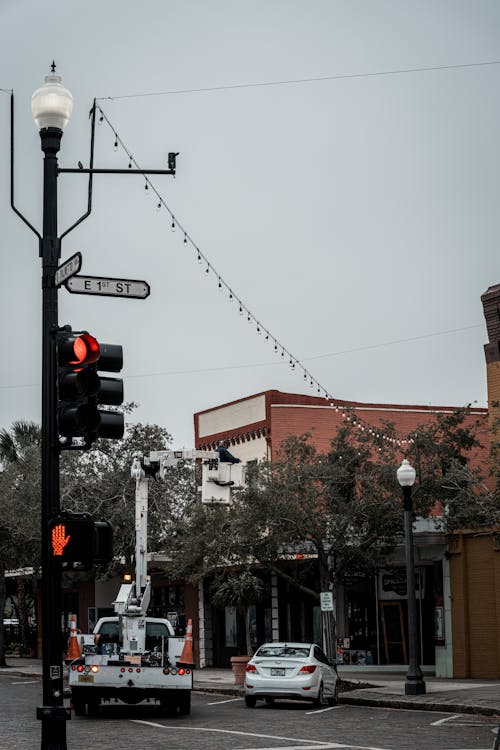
{"x": 222, "y": 723}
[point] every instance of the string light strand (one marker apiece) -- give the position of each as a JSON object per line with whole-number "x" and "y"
{"x": 348, "y": 413}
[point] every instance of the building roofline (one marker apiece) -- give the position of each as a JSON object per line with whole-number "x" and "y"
{"x": 306, "y": 400}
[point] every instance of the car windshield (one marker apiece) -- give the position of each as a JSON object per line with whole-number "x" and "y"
{"x": 283, "y": 652}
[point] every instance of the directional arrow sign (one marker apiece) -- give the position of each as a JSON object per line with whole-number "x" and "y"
{"x": 68, "y": 269}
{"x": 130, "y": 288}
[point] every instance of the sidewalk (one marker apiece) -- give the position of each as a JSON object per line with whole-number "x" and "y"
{"x": 362, "y": 686}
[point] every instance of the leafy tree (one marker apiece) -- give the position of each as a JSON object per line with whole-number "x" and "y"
{"x": 344, "y": 506}
{"x": 20, "y": 506}
{"x": 239, "y": 590}
{"x": 448, "y": 485}
{"x": 97, "y": 481}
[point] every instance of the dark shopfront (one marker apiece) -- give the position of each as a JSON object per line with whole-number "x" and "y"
{"x": 375, "y": 627}
{"x": 372, "y": 623}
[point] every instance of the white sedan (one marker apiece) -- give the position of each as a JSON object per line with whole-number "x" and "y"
{"x": 295, "y": 671}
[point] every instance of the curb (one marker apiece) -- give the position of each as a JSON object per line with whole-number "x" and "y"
{"x": 421, "y": 706}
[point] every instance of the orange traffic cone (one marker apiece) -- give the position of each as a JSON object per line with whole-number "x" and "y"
{"x": 74, "y": 651}
{"x": 187, "y": 651}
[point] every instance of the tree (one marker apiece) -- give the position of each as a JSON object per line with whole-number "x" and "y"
{"x": 20, "y": 505}
{"x": 448, "y": 484}
{"x": 343, "y": 506}
{"x": 239, "y": 589}
{"x": 97, "y": 481}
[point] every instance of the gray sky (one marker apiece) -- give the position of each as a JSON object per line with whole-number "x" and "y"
{"x": 344, "y": 213}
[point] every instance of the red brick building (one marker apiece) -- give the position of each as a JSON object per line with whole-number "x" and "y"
{"x": 371, "y": 614}
{"x": 256, "y": 425}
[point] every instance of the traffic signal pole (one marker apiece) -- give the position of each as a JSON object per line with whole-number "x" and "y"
{"x": 51, "y": 105}
{"x": 52, "y": 714}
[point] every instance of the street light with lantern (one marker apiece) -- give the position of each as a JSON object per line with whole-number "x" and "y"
{"x": 414, "y": 684}
{"x": 51, "y": 106}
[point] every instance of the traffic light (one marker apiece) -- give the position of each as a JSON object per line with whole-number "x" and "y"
{"x": 81, "y": 389}
{"x": 77, "y": 541}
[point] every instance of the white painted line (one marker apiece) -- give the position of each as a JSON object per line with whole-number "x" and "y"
{"x": 443, "y": 721}
{"x": 331, "y": 746}
{"x": 230, "y": 700}
{"x": 318, "y": 745}
{"x": 232, "y": 731}
{"x": 322, "y": 710}
{"x": 28, "y": 682}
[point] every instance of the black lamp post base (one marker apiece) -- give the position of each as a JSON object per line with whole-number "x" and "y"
{"x": 415, "y": 687}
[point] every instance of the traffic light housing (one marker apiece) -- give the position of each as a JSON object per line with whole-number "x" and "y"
{"x": 82, "y": 389}
{"x": 77, "y": 541}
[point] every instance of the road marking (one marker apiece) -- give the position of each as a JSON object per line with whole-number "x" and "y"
{"x": 331, "y": 746}
{"x": 28, "y": 682}
{"x": 233, "y": 731}
{"x": 443, "y": 721}
{"x": 322, "y": 710}
{"x": 318, "y": 745}
{"x": 230, "y": 700}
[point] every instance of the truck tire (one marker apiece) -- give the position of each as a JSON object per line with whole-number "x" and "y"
{"x": 167, "y": 707}
{"x": 93, "y": 708}
{"x": 184, "y": 703}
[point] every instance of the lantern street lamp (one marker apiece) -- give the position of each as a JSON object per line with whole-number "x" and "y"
{"x": 414, "y": 684}
{"x": 51, "y": 106}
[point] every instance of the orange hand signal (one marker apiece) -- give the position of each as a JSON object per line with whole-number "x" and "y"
{"x": 59, "y": 539}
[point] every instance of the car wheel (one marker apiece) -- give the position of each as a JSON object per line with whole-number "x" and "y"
{"x": 320, "y": 700}
{"x": 250, "y": 701}
{"x": 334, "y": 699}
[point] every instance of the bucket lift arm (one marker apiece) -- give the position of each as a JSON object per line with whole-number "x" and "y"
{"x": 134, "y": 597}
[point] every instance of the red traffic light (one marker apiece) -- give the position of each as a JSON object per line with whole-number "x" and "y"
{"x": 78, "y": 349}
{"x": 81, "y": 388}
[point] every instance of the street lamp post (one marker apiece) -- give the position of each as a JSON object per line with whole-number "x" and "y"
{"x": 51, "y": 106}
{"x": 414, "y": 684}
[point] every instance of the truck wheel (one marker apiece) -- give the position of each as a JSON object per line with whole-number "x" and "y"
{"x": 167, "y": 707}
{"x": 184, "y": 703}
{"x": 93, "y": 708}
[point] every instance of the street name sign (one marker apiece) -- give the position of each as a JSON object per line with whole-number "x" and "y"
{"x": 130, "y": 288}
{"x": 68, "y": 269}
